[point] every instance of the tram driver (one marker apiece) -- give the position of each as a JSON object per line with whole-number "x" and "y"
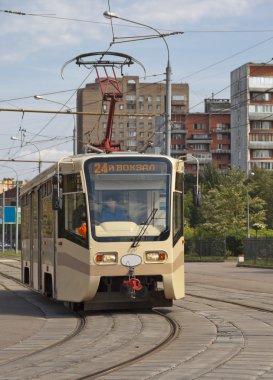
{"x": 111, "y": 211}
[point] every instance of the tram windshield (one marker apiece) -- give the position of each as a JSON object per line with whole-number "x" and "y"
{"x": 129, "y": 198}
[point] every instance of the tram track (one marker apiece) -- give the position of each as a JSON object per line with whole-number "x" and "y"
{"x": 242, "y": 329}
{"x": 212, "y": 333}
{"x": 135, "y": 341}
{"x": 174, "y": 331}
{"x": 46, "y": 310}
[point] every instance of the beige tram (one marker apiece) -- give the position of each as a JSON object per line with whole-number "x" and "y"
{"x": 105, "y": 231}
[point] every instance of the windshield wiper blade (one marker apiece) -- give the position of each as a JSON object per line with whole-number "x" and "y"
{"x": 144, "y": 228}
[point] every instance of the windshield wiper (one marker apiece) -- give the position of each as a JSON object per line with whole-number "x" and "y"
{"x": 144, "y": 228}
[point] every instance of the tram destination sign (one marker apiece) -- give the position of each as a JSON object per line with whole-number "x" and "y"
{"x": 128, "y": 167}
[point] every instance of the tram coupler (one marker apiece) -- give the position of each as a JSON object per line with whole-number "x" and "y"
{"x": 133, "y": 284}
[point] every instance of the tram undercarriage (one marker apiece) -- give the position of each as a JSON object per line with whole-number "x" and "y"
{"x": 115, "y": 293}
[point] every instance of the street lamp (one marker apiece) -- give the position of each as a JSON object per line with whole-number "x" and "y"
{"x": 39, "y": 97}
{"x": 31, "y": 143}
{"x": 17, "y": 204}
{"x": 111, "y": 15}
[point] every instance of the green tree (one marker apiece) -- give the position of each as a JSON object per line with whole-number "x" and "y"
{"x": 212, "y": 176}
{"x": 264, "y": 189}
{"x": 224, "y": 207}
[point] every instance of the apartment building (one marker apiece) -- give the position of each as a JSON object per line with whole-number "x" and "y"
{"x": 203, "y": 137}
{"x": 252, "y": 116}
{"x": 136, "y": 113}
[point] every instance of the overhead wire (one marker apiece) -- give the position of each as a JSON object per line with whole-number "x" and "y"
{"x": 192, "y": 31}
{"x": 55, "y": 17}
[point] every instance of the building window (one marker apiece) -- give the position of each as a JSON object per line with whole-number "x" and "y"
{"x": 177, "y": 107}
{"x": 178, "y": 97}
{"x": 131, "y": 125}
{"x": 199, "y": 126}
{"x": 149, "y": 98}
{"x": 219, "y": 136}
{"x": 131, "y": 133}
{"x": 131, "y": 106}
{"x": 176, "y": 136}
{"x": 131, "y": 143}
{"x": 141, "y": 125}
{"x": 200, "y": 136}
{"x": 131, "y": 97}
{"x": 176, "y": 126}
{"x": 261, "y": 108}
{"x": 261, "y": 96}
{"x": 158, "y": 98}
{"x": 200, "y": 146}
{"x": 121, "y": 125}
{"x": 262, "y": 153}
{"x": 150, "y": 107}
{"x": 158, "y": 107}
{"x": 121, "y": 106}
{"x": 265, "y": 125}
{"x": 260, "y": 81}
{"x": 150, "y": 125}
{"x": 141, "y": 98}
{"x": 222, "y": 127}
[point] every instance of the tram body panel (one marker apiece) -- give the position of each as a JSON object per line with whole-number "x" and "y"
{"x": 74, "y": 281}
{"x": 173, "y": 282}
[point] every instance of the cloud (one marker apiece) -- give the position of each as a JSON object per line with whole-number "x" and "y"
{"x": 50, "y": 154}
{"x": 184, "y": 11}
{"x": 47, "y": 26}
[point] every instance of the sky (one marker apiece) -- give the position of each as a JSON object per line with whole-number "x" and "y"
{"x": 38, "y": 37}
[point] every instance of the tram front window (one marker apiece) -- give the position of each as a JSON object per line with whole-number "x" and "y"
{"x": 121, "y": 203}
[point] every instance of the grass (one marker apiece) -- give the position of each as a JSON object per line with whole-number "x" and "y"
{"x": 258, "y": 263}
{"x": 189, "y": 258}
{"x": 9, "y": 255}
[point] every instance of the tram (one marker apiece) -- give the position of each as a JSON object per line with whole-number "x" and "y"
{"x": 105, "y": 231}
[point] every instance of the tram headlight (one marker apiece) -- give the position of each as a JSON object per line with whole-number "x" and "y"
{"x": 106, "y": 258}
{"x": 156, "y": 256}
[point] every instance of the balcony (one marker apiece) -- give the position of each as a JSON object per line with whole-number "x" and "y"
{"x": 260, "y": 144}
{"x": 199, "y": 141}
{"x": 255, "y": 111}
{"x": 221, "y": 151}
{"x": 219, "y": 130}
{"x": 199, "y": 138}
{"x": 260, "y": 83}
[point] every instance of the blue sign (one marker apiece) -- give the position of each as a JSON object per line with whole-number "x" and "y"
{"x": 9, "y": 214}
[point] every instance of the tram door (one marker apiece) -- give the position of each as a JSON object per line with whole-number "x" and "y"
{"x": 36, "y": 239}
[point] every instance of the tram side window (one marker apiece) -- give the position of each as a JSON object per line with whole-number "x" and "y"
{"x": 73, "y": 220}
{"x": 177, "y": 217}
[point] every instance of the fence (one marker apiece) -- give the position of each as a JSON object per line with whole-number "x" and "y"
{"x": 205, "y": 249}
{"x": 258, "y": 250}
